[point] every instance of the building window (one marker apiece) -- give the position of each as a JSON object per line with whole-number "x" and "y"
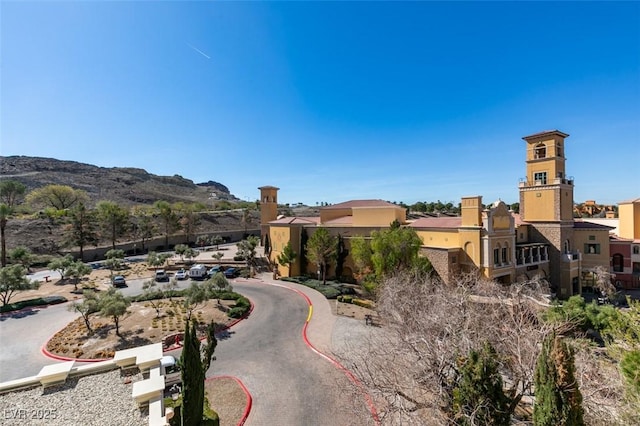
{"x": 558, "y": 150}
{"x": 454, "y": 259}
{"x": 504, "y": 255}
{"x": 592, "y": 248}
{"x": 540, "y": 178}
{"x": 496, "y": 256}
{"x": 636, "y": 249}
{"x": 617, "y": 263}
{"x": 541, "y": 151}
{"x": 592, "y": 237}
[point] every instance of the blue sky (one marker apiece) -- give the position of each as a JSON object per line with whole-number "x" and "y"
{"x": 330, "y": 101}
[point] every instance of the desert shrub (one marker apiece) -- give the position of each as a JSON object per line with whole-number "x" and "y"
{"x": 236, "y": 312}
{"x": 363, "y": 303}
{"x": 345, "y": 299}
{"x": 238, "y": 258}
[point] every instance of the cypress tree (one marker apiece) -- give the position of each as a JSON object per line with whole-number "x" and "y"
{"x": 479, "y": 397}
{"x": 192, "y": 379}
{"x": 558, "y": 398}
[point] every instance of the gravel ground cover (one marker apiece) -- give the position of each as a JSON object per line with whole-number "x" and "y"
{"x": 101, "y": 399}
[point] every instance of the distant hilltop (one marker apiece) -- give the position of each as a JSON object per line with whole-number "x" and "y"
{"x": 124, "y": 185}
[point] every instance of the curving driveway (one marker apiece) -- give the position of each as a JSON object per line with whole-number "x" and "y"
{"x": 289, "y": 383}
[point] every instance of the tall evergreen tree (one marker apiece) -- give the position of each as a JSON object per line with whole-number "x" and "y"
{"x": 479, "y": 397}
{"x": 341, "y": 256}
{"x": 81, "y": 230}
{"x": 321, "y": 250}
{"x": 287, "y": 257}
{"x": 558, "y": 399}
{"x": 192, "y": 379}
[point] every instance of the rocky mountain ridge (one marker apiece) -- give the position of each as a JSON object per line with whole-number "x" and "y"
{"x": 124, "y": 185}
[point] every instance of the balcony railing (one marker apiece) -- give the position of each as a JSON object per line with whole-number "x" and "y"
{"x": 571, "y": 257}
{"x": 524, "y": 183}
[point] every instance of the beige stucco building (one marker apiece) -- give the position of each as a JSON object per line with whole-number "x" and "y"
{"x": 542, "y": 241}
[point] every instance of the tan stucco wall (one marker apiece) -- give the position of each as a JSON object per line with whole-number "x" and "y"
{"x": 441, "y": 239}
{"x": 581, "y": 237}
{"x": 522, "y": 234}
{"x": 330, "y": 214}
{"x": 629, "y": 220}
{"x": 469, "y": 242}
{"x": 378, "y": 216}
{"x": 539, "y": 205}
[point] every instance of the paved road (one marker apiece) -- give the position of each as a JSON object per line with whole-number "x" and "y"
{"x": 290, "y": 384}
{"x": 23, "y": 333}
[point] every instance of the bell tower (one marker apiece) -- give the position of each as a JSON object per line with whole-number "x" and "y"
{"x": 268, "y": 209}
{"x": 546, "y": 194}
{"x": 546, "y": 203}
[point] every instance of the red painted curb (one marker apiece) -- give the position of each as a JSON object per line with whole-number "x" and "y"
{"x": 247, "y": 408}
{"x": 349, "y": 374}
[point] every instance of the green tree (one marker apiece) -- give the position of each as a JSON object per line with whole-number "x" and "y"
{"x": 394, "y": 249}
{"x": 558, "y": 400}
{"x": 246, "y": 219}
{"x": 61, "y": 265}
{"x": 478, "y": 396}
{"x": 203, "y": 240}
{"x": 76, "y": 271}
{"x": 115, "y": 258}
{"x": 247, "y": 249}
{"x": 321, "y": 250}
{"x": 195, "y": 295}
{"x": 341, "y": 256}
{"x": 189, "y": 220}
{"x": 87, "y": 307}
{"x": 193, "y": 375}
{"x": 21, "y": 255}
{"x": 153, "y": 294}
{"x": 81, "y": 229}
{"x": 361, "y": 254}
{"x": 169, "y": 219}
{"x": 180, "y": 250}
{"x": 11, "y": 192}
{"x": 142, "y": 226}
{"x": 216, "y": 240}
{"x": 113, "y": 304}
{"x": 58, "y": 197}
{"x": 155, "y": 260}
{"x": 12, "y": 280}
{"x": 287, "y": 257}
{"x": 220, "y": 282}
{"x": 113, "y": 220}
{"x": 217, "y": 256}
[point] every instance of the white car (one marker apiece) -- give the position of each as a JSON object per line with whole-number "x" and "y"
{"x": 181, "y": 275}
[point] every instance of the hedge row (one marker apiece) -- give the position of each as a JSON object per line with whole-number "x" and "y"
{"x": 40, "y": 301}
{"x": 353, "y": 300}
{"x": 330, "y": 290}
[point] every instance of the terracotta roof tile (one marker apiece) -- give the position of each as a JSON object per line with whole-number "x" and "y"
{"x": 360, "y": 203}
{"x": 344, "y": 220}
{"x": 578, "y": 224}
{"x": 518, "y": 219}
{"x": 296, "y": 221}
{"x": 544, "y": 133}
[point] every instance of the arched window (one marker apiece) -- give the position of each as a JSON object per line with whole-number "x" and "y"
{"x": 505, "y": 254}
{"x": 617, "y": 262}
{"x": 540, "y": 151}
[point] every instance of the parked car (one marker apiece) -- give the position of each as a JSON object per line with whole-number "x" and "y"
{"x": 181, "y": 275}
{"x": 161, "y": 275}
{"x": 230, "y": 272}
{"x": 214, "y": 270}
{"x": 198, "y": 272}
{"x": 119, "y": 281}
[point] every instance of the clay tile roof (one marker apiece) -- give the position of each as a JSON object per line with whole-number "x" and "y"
{"x": 545, "y": 133}
{"x": 437, "y": 222}
{"x": 631, "y": 201}
{"x": 518, "y": 219}
{"x": 296, "y": 221}
{"x": 578, "y": 224}
{"x": 268, "y": 187}
{"x": 344, "y": 220}
{"x": 360, "y": 203}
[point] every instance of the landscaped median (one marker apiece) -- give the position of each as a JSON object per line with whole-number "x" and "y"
{"x": 147, "y": 321}
{"x": 39, "y": 301}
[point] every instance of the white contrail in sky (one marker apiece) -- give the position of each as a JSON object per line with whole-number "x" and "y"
{"x": 199, "y": 51}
